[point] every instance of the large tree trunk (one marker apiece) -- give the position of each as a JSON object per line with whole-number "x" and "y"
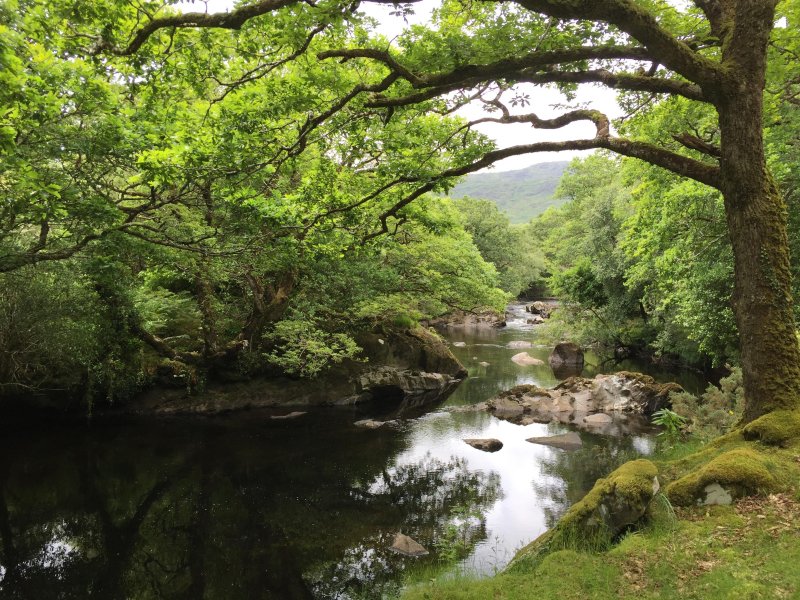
{"x": 756, "y": 215}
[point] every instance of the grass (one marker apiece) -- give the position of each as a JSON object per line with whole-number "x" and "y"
{"x": 749, "y": 550}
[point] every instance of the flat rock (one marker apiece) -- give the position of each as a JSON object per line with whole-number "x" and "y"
{"x": 407, "y": 547}
{"x": 460, "y": 344}
{"x": 598, "y": 419}
{"x": 369, "y": 423}
{"x": 519, "y": 344}
{"x": 525, "y": 359}
{"x": 505, "y": 407}
{"x": 487, "y": 445}
{"x": 291, "y": 415}
{"x": 566, "y": 441}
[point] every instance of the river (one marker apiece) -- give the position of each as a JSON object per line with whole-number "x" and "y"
{"x": 242, "y": 506}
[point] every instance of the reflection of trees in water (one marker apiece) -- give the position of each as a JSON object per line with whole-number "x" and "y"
{"x": 424, "y": 496}
{"x": 569, "y": 475}
{"x": 199, "y": 512}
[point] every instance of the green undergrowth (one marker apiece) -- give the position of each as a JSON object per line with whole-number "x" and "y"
{"x": 748, "y": 550}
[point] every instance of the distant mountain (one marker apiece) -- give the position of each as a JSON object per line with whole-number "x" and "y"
{"x": 521, "y": 194}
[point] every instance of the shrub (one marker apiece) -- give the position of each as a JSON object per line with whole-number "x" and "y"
{"x": 716, "y": 411}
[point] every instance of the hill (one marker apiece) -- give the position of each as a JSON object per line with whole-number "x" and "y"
{"x": 521, "y": 194}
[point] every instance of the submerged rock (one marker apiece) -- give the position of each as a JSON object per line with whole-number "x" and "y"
{"x": 526, "y": 360}
{"x": 369, "y": 424}
{"x": 487, "y": 445}
{"x": 292, "y": 415}
{"x": 519, "y": 344}
{"x": 565, "y": 441}
{"x": 407, "y": 547}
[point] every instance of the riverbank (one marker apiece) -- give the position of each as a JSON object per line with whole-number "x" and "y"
{"x": 749, "y": 549}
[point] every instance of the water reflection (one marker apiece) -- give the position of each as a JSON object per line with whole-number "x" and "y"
{"x": 241, "y": 509}
{"x": 245, "y": 507}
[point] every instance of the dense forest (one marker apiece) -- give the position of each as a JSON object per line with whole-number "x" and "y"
{"x": 199, "y": 206}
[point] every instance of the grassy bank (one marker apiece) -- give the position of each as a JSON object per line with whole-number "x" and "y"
{"x": 750, "y": 549}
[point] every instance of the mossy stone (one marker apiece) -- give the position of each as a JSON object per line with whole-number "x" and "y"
{"x": 775, "y": 428}
{"x": 740, "y": 472}
{"x": 613, "y": 504}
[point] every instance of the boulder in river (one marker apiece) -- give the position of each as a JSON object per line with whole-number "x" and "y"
{"x": 526, "y": 360}
{"x": 407, "y": 547}
{"x": 565, "y": 441}
{"x": 487, "y": 444}
{"x": 566, "y": 354}
{"x": 539, "y": 308}
{"x": 620, "y": 401}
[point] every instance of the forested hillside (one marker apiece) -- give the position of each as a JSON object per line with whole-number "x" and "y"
{"x": 521, "y": 194}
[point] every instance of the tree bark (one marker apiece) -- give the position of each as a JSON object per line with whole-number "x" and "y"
{"x": 756, "y": 216}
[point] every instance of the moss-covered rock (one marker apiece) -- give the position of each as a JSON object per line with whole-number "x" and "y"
{"x": 613, "y": 504}
{"x": 739, "y": 472}
{"x": 776, "y": 428}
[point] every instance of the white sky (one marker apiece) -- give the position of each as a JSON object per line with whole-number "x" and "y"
{"x": 542, "y": 100}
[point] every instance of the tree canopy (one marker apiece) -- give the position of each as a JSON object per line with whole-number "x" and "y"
{"x": 293, "y": 125}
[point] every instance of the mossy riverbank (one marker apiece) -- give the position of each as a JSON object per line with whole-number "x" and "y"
{"x": 749, "y": 549}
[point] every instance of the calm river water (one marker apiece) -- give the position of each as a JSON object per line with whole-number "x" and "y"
{"x": 246, "y": 507}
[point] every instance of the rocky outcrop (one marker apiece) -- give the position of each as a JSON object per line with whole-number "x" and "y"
{"x": 486, "y": 445}
{"x": 461, "y": 319}
{"x": 403, "y": 369}
{"x": 602, "y": 405}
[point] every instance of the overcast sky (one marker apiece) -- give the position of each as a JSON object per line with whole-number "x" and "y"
{"x": 542, "y": 100}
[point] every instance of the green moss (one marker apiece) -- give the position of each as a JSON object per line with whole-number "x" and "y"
{"x": 776, "y": 428}
{"x": 592, "y": 524}
{"x": 743, "y": 469}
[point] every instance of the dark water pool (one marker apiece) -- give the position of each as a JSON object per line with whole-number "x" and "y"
{"x": 247, "y": 507}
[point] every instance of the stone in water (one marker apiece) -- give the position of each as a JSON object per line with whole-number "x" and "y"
{"x": 407, "y": 547}
{"x": 487, "y": 445}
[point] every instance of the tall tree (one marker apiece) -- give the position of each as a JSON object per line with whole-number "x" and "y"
{"x": 713, "y": 52}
